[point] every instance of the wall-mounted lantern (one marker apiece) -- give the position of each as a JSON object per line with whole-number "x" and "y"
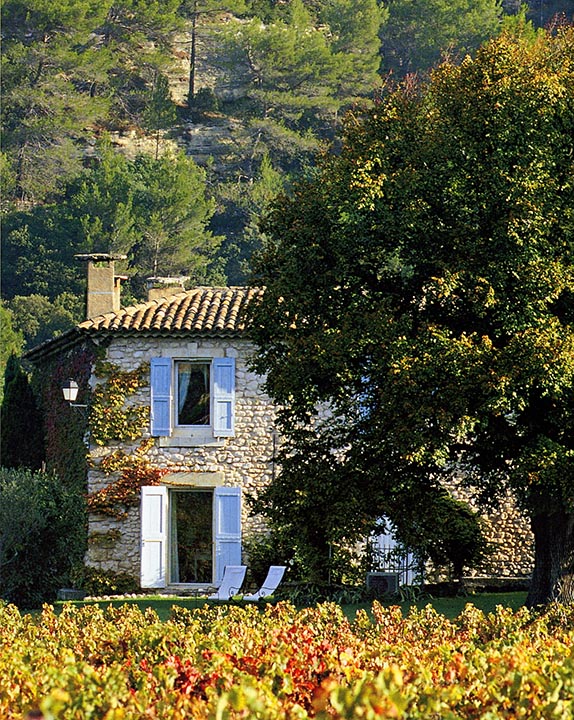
{"x": 70, "y": 392}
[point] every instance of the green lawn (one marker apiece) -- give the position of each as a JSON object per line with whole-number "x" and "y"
{"x": 448, "y": 606}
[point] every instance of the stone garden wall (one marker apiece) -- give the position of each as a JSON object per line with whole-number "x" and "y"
{"x": 511, "y": 541}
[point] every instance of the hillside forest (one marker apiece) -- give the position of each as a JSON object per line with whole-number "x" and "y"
{"x": 162, "y": 130}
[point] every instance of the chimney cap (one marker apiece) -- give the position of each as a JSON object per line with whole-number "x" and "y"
{"x": 99, "y": 257}
{"x": 181, "y": 280}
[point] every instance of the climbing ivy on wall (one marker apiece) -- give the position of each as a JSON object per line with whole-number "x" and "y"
{"x": 135, "y": 471}
{"x": 64, "y": 426}
{"x": 64, "y": 429}
{"x": 111, "y": 416}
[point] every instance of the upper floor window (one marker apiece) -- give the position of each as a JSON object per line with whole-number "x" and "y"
{"x": 192, "y": 393}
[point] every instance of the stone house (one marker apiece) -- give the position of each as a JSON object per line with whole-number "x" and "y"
{"x": 172, "y": 399}
{"x": 179, "y": 432}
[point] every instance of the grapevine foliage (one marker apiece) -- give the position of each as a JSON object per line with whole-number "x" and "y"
{"x": 237, "y": 662}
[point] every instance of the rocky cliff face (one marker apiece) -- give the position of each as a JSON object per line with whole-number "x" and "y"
{"x": 207, "y": 135}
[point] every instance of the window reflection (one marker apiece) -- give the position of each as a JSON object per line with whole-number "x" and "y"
{"x": 192, "y": 393}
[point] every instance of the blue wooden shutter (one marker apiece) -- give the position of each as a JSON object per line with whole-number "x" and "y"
{"x": 227, "y": 528}
{"x": 223, "y": 397}
{"x": 160, "y": 383}
{"x": 153, "y": 536}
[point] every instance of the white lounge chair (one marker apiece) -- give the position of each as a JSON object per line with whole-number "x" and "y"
{"x": 231, "y": 582}
{"x": 270, "y": 584}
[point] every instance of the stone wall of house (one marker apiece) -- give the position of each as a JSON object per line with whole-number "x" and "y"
{"x": 507, "y": 530}
{"x": 245, "y": 460}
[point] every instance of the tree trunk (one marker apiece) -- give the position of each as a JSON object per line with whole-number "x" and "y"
{"x": 192, "y": 54}
{"x": 553, "y": 576}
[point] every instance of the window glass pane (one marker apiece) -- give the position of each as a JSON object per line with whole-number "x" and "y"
{"x": 192, "y": 393}
{"x": 191, "y": 537}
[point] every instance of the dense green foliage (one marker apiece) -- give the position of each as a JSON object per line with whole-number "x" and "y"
{"x": 154, "y": 210}
{"x": 235, "y": 662}
{"x": 21, "y": 430}
{"x": 439, "y": 326}
{"x": 69, "y": 65}
{"x": 419, "y": 32}
{"x": 71, "y": 70}
{"x": 41, "y": 536}
{"x": 39, "y": 318}
{"x": 11, "y": 341}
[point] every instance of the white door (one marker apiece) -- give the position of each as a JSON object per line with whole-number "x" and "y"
{"x": 227, "y": 528}
{"x": 154, "y": 536}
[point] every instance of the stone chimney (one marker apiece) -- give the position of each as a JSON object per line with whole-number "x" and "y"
{"x": 162, "y": 287}
{"x": 104, "y": 286}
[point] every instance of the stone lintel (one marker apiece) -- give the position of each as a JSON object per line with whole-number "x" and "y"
{"x": 194, "y": 479}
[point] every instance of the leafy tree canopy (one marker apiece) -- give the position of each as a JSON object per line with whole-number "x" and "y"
{"x": 439, "y": 326}
{"x": 11, "y": 342}
{"x": 38, "y": 318}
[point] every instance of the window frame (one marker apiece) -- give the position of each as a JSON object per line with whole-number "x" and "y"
{"x": 155, "y": 540}
{"x": 164, "y": 403}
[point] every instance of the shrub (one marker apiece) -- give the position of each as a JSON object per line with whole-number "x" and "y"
{"x": 448, "y": 532}
{"x": 263, "y": 550}
{"x": 205, "y": 101}
{"x": 42, "y": 535}
{"x": 460, "y": 541}
{"x": 97, "y": 582}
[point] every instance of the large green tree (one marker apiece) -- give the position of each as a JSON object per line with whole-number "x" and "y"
{"x": 172, "y": 213}
{"x": 420, "y": 286}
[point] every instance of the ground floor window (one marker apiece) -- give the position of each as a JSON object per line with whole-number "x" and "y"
{"x": 189, "y": 534}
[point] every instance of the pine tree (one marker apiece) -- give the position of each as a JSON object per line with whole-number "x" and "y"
{"x": 159, "y": 113}
{"x": 21, "y": 433}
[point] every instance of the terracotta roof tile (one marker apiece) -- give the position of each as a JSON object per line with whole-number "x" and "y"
{"x": 201, "y": 310}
